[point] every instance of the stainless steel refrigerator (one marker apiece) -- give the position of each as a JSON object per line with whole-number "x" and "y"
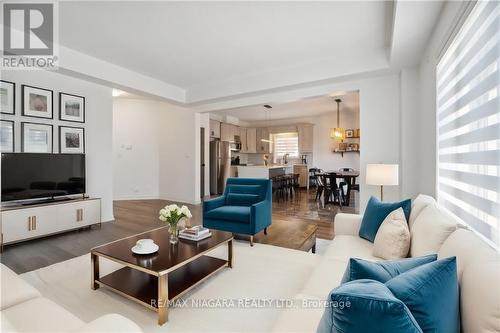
{"x": 220, "y": 165}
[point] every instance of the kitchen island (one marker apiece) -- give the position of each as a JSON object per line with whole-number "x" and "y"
{"x": 262, "y": 171}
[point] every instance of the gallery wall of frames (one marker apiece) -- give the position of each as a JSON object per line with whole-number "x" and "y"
{"x": 37, "y": 114}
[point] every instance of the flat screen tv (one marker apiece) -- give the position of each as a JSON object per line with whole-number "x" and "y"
{"x": 42, "y": 176}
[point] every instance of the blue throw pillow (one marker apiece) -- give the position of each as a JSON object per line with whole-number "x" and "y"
{"x": 366, "y": 306}
{"x": 431, "y": 293}
{"x": 382, "y": 271}
{"x": 375, "y": 213}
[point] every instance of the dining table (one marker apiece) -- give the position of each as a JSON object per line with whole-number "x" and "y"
{"x": 349, "y": 177}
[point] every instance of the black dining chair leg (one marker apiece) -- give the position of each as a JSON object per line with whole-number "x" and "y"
{"x": 319, "y": 191}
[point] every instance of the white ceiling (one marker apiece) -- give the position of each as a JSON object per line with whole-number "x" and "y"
{"x": 214, "y": 50}
{"x": 307, "y": 107}
{"x": 192, "y": 43}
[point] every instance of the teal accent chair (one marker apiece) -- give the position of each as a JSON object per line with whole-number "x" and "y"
{"x": 244, "y": 208}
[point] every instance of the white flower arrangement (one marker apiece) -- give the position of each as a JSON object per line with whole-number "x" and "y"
{"x": 172, "y": 214}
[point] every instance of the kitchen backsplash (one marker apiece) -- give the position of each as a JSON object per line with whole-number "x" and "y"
{"x": 258, "y": 159}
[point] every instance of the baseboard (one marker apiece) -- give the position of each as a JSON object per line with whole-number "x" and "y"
{"x": 124, "y": 198}
{"x": 136, "y": 197}
{"x": 192, "y": 202}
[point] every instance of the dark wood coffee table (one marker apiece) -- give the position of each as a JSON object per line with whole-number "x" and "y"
{"x": 154, "y": 280}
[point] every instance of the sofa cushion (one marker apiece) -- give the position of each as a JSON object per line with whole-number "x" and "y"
{"x": 418, "y": 205}
{"x": 480, "y": 296}
{"x": 302, "y": 318}
{"x": 39, "y": 315}
{"x": 237, "y": 199}
{"x": 393, "y": 237}
{"x": 244, "y": 189}
{"x": 325, "y": 276}
{"x": 431, "y": 293}
{"x": 344, "y": 247}
{"x": 14, "y": 289}
{"x": 375, "y": 213}
{"x": 230, "y": 213}
{"x": 468, "y": 248}
{"x": 382, "y": 271}
{"x": 366, "y": 306}
{"x": 431, "y": 228}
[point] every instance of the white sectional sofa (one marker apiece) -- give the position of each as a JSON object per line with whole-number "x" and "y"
{"x": 432, "y": 231}
{"x": 23, "y": 309}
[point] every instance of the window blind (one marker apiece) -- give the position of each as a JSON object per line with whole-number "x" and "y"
{"x": 468, "y": 122}
{"x": 286, "y": 143}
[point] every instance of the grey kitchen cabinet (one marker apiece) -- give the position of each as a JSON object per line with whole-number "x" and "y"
{"x": 263, "y": 147}
{"x": 243, "y": 138}
{"x": 214, "y": 129}
{"x": 306, "y": 138}
{"x": 251, "y": 137}
{"x": 228, "y": 132}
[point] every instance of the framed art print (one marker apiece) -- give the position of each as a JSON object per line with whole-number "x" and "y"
{"x": 36, "y": 138}
{"x": 71, "y": 140}
{"x": 37, "y": 102}
{"x": 7, "y": 97}
{"x": 349, "y": 133}
{"x": 7, "y": 136}
{"x": 71, "y": 108}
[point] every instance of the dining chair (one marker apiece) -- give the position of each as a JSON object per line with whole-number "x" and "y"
{"x": 333, "y": 190}
{"x": 320, "y": 186}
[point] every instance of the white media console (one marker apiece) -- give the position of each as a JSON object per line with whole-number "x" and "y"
{"x": 19, "y": 223}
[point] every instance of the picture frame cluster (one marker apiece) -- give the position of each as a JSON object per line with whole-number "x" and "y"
{"x": 37, "y": 106}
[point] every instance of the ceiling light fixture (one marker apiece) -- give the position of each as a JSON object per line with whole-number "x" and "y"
{"x": 118, "y": 93}
{"x": 337, "y": 132}
{"x": 268, "y": 107}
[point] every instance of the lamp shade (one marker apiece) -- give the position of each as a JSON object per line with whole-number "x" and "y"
{"x": 337, "y": 133}
{"x": 382, "y": 174}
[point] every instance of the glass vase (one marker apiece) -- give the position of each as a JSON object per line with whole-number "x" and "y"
{"x": 174, "y": 233}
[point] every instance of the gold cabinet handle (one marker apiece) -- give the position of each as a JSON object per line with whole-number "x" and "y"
{"x": 29, "y": 223}
{"x": 34, "y": 222}
{"x": 81, "y": 214}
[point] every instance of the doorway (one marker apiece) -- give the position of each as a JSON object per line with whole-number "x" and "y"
{"x": 202, "y": 161}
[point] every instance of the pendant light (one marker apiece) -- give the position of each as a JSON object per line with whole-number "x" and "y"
{"x": 268, "y": 107}
{"x": 337, "y": 132}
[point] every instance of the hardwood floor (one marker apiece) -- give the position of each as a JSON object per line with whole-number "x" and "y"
{"x": 132, "y": 217}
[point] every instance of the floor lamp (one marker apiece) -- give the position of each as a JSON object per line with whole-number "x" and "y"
{"x": 382, "y": 174}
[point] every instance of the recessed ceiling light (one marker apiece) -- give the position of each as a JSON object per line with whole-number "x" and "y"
{"x": 117, "y": 93}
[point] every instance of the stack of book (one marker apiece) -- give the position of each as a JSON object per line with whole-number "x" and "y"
{"x": 195, "y": 233}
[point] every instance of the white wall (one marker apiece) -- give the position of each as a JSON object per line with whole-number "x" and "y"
{"x": 136, "y": 149}
{"x": 323, "y": 157}
{"x": 98, "y": 126}
{"x": 410, "y": 132}
{"x": 164, "y": 151}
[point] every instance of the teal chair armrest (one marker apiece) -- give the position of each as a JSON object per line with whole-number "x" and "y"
{"x": 261, "y": 215}
{"x": 208, "y": 205}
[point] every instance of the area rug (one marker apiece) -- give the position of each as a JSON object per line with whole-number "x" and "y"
{"x": 247, "y": 298}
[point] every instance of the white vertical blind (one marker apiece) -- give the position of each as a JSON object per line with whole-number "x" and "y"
{"x": 468, "y": 120}
{"x": 286, "y": 143}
